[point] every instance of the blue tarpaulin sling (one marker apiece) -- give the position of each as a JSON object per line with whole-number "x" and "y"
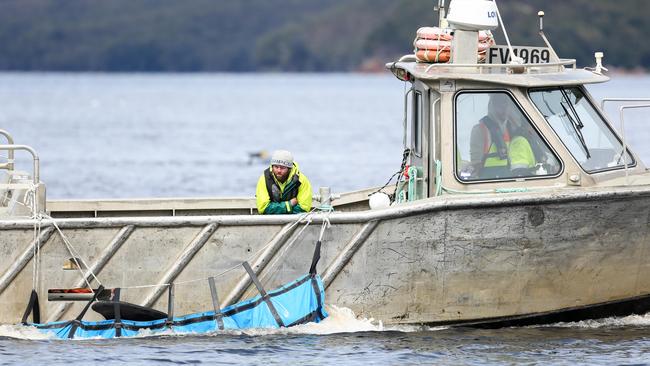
{"x": 297, "y": 302}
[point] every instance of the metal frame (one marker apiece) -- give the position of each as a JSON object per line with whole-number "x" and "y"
{"x": 559, "y": 66}
{"x": 406, "y": 113}
{"x": 181, "y": 262}
{"x": 605, "y": 100}
{"x": 10, "y": 154}
{"x": 416, "y": 122}
{"x": 36, "y": 160}
{"x": 550, "y": 194}
{"x": 115, "y": 244}
{"x": 624, "y": 152}
{"x": 621, "y": 111}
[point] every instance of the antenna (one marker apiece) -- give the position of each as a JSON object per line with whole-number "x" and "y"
{"x": 513, "y": 57}
{"x": 599, "y": 63}
{"x": 540, "y": 14}
{"x": 442, "y": 21}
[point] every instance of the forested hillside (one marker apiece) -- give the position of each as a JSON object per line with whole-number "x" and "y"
{"x": 286, "y": 35}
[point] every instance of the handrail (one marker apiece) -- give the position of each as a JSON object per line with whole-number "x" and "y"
{"x": 621, "y": 111}
{"x": 602, "y": 102}
{"x": 562, "y": 62}
{"x": 10, "y": 156}
{"x": 407, "y": 58}
{"x": 406, "y": 111}
{"x": 34, "y": 158}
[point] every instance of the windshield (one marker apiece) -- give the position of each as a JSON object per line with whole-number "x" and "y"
{"x": 496, "y": 140}
{"x": 589, "y": 139}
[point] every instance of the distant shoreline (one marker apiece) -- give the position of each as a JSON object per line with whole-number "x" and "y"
{"x": 613, "y": 71}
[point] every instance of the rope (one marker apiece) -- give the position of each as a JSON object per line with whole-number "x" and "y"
{"x": 75, "y": 255}
{"x": 326, "y": 225}
{"x": 29, "y": 200}
{"x": 35, "y": 251}
{"x": 405, "y": 156}
{"x": 285, "y": 249}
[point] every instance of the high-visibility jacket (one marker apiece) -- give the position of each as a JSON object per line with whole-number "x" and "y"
{"x": 516, "y": 152}
{"x": 273, "y": 196}
{"x": 519, "y": 154}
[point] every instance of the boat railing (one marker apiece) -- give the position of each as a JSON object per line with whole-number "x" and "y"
{"x": 511, "y": 68}
{"x": 484, "y": 68}
{"x": 35, "y": 160}
{"x": 9, "y": 165}
{"x": 623, "y": 100}
{"x": 19, "y": 196}
{"x": 621, "y": 111}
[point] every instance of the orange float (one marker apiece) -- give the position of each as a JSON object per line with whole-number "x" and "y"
{"x": 434, "y": 33}
{"x": 433, "y": 44}
{"x": 433, "y": 56}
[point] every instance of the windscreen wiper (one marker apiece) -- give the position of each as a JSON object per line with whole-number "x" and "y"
{"x": 577, "y": 129}
{"x": 573, "y": 117}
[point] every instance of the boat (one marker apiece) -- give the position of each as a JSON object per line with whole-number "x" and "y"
{"x": 517, "y": 202}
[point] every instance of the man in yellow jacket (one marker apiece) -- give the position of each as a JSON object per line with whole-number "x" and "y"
{"x": 282, "y": 188}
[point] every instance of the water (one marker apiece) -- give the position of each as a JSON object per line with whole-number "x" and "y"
{"x": 116, "y": 136}
{"x": 112, "y": 136}
{"x": 344, "y": 339}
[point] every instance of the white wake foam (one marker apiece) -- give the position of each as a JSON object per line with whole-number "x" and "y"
{"x": 22, "y": 332}
{"x": 631, "y": 320}
{"x": 340, "y": 320}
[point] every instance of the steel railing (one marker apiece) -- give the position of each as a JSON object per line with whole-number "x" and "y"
{"x": 9, "y": 165}
{"x": 621, "y": 111}
{"x": 35, "y": 159}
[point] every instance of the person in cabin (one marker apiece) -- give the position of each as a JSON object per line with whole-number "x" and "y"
{"x": 282, "y": 188}
{"x": 499, "y": 145}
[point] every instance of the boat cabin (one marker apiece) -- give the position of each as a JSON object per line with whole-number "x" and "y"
{"x": 499, "y": 128}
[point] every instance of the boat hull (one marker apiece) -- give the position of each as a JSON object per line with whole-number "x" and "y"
{"x": 487, "y": 259}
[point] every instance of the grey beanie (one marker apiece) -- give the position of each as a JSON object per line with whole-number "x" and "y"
{"x": 283, "y": 158}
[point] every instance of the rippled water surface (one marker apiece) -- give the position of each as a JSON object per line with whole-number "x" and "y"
{"x": 110, "y": 136}
{"x": 551, "y": 345}
{"x": 343, "y": 339}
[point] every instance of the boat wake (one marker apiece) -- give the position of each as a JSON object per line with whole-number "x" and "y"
{"x": 340, "y": 320}
{"x": 22, "y": 332}
{"x": 631, "y": 320}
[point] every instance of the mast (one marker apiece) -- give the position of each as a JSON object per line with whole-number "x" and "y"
{"x": 442, "y": 21}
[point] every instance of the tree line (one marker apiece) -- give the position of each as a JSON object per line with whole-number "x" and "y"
{"x": 286, "y": 35}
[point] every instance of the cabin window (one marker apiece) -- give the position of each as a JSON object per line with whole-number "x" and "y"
{"x": 584, "y": 132}
{"x": 496, "y": 140}
{"x": 417, "y": 124}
